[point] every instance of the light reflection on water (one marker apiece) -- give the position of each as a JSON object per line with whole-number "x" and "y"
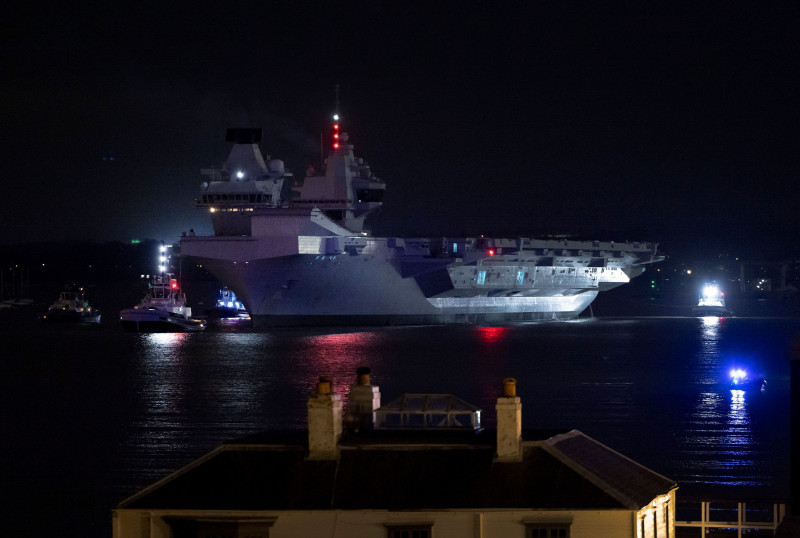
{"x": 233, "y": 383}
{"x": 193, "y": 388}
{"x": 114, "y": 411}
{"x": 709, "y": 356}
{"x": 155, "y": 340}
{"x": 719, "y": 441}
{"x": 335, "y": 355}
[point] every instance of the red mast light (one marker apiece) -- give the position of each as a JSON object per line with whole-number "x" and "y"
{"x": 336, "y": 135}
{"x": 336, "y": 121}
{"x": 491, "y": 252}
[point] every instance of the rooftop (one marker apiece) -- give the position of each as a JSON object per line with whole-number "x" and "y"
{"x": 393, "y": 470}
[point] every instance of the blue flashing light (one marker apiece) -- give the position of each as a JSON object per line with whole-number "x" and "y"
{"x": 738, "y": 375}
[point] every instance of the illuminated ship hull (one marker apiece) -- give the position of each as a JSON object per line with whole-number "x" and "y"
{"x": 302, "y": 258}
{"x": 339, "y": 280}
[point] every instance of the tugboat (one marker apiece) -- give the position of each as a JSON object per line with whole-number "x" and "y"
{"x": 71, "y": 306}
{"x": 163, "y": 309}
{"x": 712, "y": 303}
{"x": 228, "y": 306}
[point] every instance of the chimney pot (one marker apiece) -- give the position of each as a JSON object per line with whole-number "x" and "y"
{"x": 365, "y": 398}
{"x": 362, "y": 375}
{"x": 509, "y": 387}
{"x": 324, "y": 384}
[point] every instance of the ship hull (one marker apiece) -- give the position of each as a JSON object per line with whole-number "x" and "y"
{"x": 372, "y": 289}
{"x": 551, "y": 312}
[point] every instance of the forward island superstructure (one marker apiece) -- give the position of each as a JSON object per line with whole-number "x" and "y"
{"x": 296, "y": 253}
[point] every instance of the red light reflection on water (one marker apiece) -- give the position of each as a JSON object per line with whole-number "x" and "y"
{"x": 492, "y": 334}
{"x": 335, "y": 355}
{"x": 491, "y": 367}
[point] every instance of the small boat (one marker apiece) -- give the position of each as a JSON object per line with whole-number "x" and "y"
{"x": 741, "y": 380}
{"x": 228, "y": 306}
{"x": 712, "y": 303}
{"x": 71, "y": 306}
{"x": 163, "y": 309}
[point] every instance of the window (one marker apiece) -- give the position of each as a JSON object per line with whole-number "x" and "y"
{"x": 547, "y": 530}
{"x": 414, "y": 530}
{"x": 481, "y": 278}
{"x": 655, "y": 523}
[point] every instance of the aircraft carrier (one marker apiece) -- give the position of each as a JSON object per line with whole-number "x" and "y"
{"x": 295, "y": 252}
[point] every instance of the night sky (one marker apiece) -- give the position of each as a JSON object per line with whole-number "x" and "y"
{"x": 674, "y": 122}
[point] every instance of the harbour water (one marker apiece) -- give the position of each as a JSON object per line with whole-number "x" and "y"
{"x": 92, "y": 414}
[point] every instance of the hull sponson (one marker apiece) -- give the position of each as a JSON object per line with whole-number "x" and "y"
{"x": 399, "y": 320}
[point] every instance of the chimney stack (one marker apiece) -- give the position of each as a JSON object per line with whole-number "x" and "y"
{"x": 324, "y": 421}
{"x": 364, "y": 399}
{"x": 509, "y": 423}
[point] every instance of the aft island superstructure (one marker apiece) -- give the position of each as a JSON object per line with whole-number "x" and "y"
{"x": 295, "y": 252}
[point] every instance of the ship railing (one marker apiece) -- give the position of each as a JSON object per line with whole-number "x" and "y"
{"x": 758, "y": 518}
{"x": 191, "y": 236}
